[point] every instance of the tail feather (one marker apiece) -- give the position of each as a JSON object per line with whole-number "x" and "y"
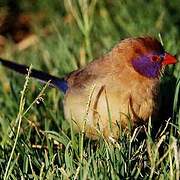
{"x": 60, "y": 83}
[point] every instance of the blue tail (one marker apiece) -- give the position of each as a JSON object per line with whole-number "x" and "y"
{"x": 60, "y": 83}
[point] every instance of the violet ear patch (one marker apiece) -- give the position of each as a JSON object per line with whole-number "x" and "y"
{"x": 146, "y": 67}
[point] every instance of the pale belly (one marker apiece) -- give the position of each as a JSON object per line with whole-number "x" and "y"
{"x": 99, "y": 111}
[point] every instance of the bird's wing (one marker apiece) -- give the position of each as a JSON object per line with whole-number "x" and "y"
{"x": 60, "y": 83}
{"x": 95, "y": 71}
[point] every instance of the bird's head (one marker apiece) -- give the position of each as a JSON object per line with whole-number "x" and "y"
{"x": 148, "y": 56}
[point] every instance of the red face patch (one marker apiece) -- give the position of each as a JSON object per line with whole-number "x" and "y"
{"x": 155, "y": 58}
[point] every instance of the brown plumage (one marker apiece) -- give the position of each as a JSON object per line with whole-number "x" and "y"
{"x": 131, "y": 97}
{"x": 119, "y": 89}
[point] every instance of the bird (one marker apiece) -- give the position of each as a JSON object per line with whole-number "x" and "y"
{"x": 117, "y": 90}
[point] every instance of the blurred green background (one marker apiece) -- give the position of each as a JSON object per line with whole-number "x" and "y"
{"x": 58, "y": 37}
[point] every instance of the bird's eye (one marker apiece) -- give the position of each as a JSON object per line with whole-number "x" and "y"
{"x": 155, "y": 58}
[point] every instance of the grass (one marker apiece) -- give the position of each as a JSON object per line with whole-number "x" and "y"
{"x": 35, "y": 140}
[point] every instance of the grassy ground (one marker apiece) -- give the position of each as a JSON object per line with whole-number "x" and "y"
{"x": 35, "y": 140}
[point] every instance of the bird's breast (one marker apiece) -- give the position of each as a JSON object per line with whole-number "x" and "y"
{"x": 104, "y": 108}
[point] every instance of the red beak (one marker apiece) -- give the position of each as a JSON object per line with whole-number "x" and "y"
{"x": 169, "y": 59}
